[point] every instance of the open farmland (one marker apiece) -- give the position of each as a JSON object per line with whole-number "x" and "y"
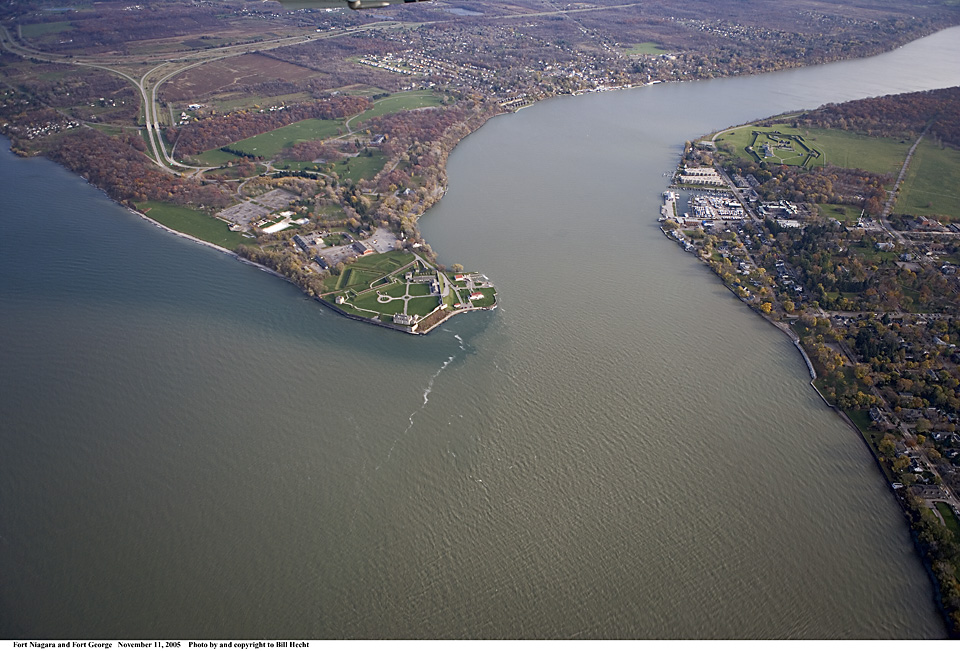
{"x": 217, "y": 77}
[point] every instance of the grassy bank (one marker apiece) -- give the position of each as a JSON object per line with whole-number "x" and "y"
{"x": 192, "y": 222}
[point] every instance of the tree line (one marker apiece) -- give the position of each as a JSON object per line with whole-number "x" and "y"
{"x": 896, "y": 116}
{"x": 118, "y": 166}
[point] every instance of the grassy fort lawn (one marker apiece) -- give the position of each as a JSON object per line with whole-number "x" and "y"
{"x": 356, "y": 279}
{"x": 418, "y": 289}
{"x": 192, "y": 222}
{"x": 385, "y": 263}
{"x": 841, "y": 148}
{"x": 374, "y": 287}
{"x": 489, "y": 298}
{"x": 932, "y": 183}
{"x": 394, "y": 290}
{"x": 422, "y": 306}
{"x": 366, "y": 270}
{"x": 370, "y": 303}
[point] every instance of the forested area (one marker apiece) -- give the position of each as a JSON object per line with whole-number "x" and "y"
{"x": 942, "y": 552}
{"x": 830, "y": 184}
{"x": 420, "y": 141}
{"x": 286, "y": 263}
{"x": 831, "y": 262}
{"x": 896, "y": 116}
{"x": 119, "y": 166}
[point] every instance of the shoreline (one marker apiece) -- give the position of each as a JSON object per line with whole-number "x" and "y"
{"x": 404, "y": 329}
{"x": 211, "y": 245}
{"x": 786, "y": 328}
{"x": 504, "y": 111}
{"x": 325, "y": 303}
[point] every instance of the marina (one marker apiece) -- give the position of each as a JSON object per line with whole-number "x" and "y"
{"x": 707, "y": 207}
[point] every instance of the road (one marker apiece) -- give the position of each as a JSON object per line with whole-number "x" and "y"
{"x": 173, "y": 64}
{"x": 166, "y": 67}
{"x": 892, "y": 194}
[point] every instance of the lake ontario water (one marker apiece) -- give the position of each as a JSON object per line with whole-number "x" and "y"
{"x": 189, "y": 449}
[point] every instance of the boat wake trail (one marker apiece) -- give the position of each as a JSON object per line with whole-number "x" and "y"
{"x": 426, "y": 398}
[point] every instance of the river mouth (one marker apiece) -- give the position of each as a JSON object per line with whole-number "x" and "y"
{"x": 622, "y": 450}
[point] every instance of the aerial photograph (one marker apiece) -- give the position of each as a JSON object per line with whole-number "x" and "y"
{"x": 478, "y": 320}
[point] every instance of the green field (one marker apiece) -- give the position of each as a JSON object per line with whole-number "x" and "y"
{"x": 192, "y": 222}
{"x": 206, "y": 42}
{"x": 362, "y": 273}
{"x": 269, "y": 144}
{"x": 375, "y": 271}
{"x": 153, "y": 46}
{"x": 397, "y": 290}
{"x": 53, "y": 75}
{"x": 109, "y": 129}
{"x": 355, "y": 168}
{"x": 932, "y": 183}
{"x": 213, "y": 158}
{"x": 359, "y": 167}
{"x": 842, "y": 148}
{"x": 873, "y": 254}
{"x": 423, "y": 306}
{"x": 330, "y": 213}
{"x": 385, "y": 263}
{"x": 369, "y": 303}
{"x": 418, "y": 289}
{"x": 397, "y": 102}
{"x": 645, "y": 48}
{"x": 949, "y": 518}
{"x": 846, "y": 215}
{"x": 356, "y": 279}
{"x": 489, "y": 298}
{"x": 42, "y": 29}
{"x": 335, "y": 239}
{"x": 300, "y": 166}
